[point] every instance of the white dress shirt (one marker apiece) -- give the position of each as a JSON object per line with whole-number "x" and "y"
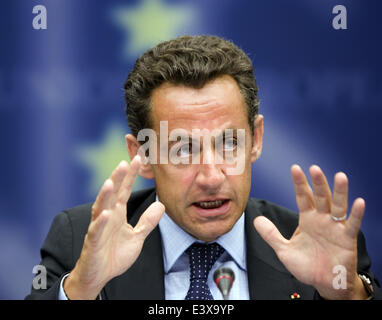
{"x": 176, "y": 261}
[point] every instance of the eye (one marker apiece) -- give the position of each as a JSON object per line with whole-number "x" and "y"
{"x": 185, "y": 150}
{"x": 230, "y": 144}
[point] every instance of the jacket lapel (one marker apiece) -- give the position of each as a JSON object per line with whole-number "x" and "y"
{"x": 145, "y": 278}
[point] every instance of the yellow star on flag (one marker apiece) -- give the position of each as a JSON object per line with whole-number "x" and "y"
{"x": 150, "y": 22}
{"x": 103, "y": 157}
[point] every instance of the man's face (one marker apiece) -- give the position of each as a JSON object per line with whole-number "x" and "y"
{"x": 202, "y": 198}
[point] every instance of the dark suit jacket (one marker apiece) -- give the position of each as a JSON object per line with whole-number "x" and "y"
{"x": 267, "y": 277}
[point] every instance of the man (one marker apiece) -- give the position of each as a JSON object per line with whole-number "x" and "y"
{"x": 156, "y": 244}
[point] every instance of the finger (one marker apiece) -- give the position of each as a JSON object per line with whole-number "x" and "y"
{"x": 107, "y": 195}
{"x": 128, "y": 181}
{"x": 118, "y": 175}
{"x": 102, "y": 200}
{"x": 149, "y": 219}
{"x": 322, "y": 193}
{"x": 304, "y": 194}
{"x": 340, "y": 195}
{"x": 355, "y": 217}
{"x": 97, "y": 226}
{"x": 270, "y": 233}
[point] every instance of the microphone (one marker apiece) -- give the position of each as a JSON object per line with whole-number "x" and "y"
{"x": 224, "y": 278}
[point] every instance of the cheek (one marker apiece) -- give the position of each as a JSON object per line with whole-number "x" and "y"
{"x": 239, "y": 184}
{"x": 174, "y": 180}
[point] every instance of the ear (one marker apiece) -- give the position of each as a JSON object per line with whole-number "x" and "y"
{"x": 133, "y": 145}
{"x": 257, "y": 145}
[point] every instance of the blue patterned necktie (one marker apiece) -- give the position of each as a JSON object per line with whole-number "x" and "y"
{"x": 202, "y": 258}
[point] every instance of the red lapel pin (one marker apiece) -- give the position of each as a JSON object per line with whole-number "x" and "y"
{"x": 295, "y": 296}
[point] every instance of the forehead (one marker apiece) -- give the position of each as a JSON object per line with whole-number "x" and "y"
{"x": 219, "y": 102}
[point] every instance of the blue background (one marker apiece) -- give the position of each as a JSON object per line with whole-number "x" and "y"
{"x": 62, "y": 110}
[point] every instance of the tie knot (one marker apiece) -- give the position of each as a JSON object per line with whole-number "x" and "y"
{"x": 202, "y": 258}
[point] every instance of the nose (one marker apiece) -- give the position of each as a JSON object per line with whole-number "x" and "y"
{"x": 210, "y": 176}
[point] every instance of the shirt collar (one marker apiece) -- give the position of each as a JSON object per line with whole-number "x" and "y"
{"x": 175, "y": 241}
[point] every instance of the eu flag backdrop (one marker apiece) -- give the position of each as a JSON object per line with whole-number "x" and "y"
{"x": 62, "y": 119}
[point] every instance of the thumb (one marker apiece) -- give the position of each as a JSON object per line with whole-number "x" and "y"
{"x": 149, "y": 219}
{"x": 269, "y": 233}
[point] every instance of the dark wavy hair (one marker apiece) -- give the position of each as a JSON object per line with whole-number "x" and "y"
{"x": 191, "y": 61}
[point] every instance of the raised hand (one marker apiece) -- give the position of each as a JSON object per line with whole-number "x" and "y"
{"x": 324, "y": 237}
{"x": 111, "y": 245}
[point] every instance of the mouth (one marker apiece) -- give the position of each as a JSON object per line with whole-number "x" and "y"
{"x": 210, "y": 204}
{"x": 212, "y": 208}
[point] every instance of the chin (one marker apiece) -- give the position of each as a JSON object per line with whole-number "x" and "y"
{"x": 212, "y": 232}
